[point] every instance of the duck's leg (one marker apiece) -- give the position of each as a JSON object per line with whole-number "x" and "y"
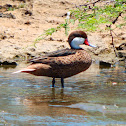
{"x": 62, "y": 82}
{"x": 53, "y": 82}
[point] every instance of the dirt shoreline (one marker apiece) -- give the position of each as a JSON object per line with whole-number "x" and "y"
{"x": 20, "y": 28}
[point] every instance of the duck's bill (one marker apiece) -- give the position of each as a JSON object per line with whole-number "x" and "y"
{"x": 92, "y": 45}
{"x": 87, "y": 43}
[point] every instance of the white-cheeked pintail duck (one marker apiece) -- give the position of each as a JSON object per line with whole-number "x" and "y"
{"x": 63, "y": 63}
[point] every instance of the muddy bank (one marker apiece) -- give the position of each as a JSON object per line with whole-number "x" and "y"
{"x": 22, "y": 21}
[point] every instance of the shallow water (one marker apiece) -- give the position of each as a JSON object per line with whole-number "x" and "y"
{"x": 94, "y": 97}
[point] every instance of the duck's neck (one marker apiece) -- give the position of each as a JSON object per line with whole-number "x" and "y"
{"x": 76, "y": 42}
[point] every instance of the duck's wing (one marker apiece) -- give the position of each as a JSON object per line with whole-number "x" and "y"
{"x": 63, "y": 52}
{"x": 50, "y": 57}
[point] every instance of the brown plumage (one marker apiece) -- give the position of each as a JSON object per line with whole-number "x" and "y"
{"x": 63, "y": 63}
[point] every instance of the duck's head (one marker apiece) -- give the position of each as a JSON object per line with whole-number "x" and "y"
{"x": 77, "y": 38}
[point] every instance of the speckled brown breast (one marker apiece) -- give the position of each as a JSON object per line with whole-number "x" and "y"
{"x": 63, "y": 66}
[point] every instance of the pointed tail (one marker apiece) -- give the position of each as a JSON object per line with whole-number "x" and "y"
{"x": 24, "y": 70}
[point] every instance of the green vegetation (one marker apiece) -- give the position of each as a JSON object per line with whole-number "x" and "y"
{"x": 52, "y": 30}
{"x": 91, "y": 15}
{"x": 10, "y": 9}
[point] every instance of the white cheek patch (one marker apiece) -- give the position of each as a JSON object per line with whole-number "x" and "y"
{"x": 76, "y": 42}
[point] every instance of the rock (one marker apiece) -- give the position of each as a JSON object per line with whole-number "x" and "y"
{"x": 103, "y": 64}
{"x": 122, "y": 54}
{"x": 2, "y": 36}
{"x": 7, "y": 15}
{"x": 100, "y": 50}
{"x": 27, "y": 12}
{"x": 32, "y": 49}
{"x": 8, "y": 63}
{"x": 121, "y": 50}
{"x": 121, "y": 47}
{"x": 17, "y": 48}
{"x": 27, "y": 23}
{"x": 7, "y": 5}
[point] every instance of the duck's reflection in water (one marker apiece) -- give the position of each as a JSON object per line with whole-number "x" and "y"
{"x": 53, "y": 104}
